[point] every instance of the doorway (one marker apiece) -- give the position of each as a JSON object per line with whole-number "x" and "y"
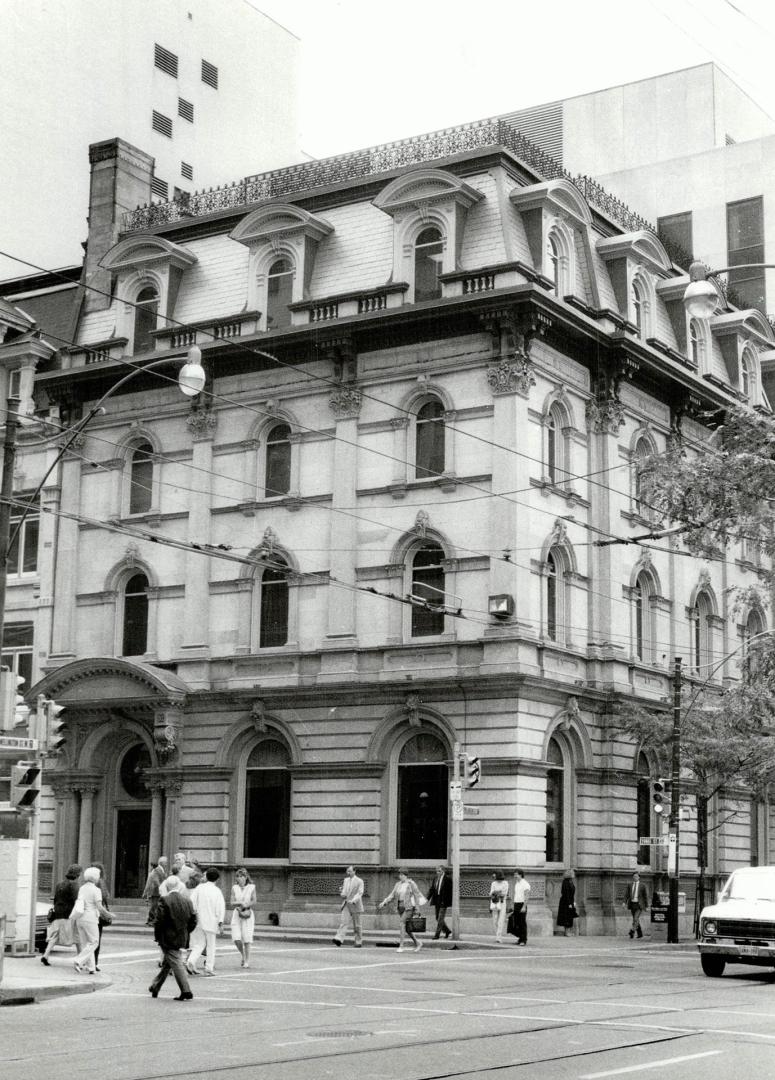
{"x": 133, "y": 833}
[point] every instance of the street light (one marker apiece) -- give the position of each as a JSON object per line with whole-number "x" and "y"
{"x": 701, "y": 295}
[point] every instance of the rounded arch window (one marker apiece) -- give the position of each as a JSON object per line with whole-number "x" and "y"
{"x": 748, "y": 372}
{"x": 428, "y": 255}
{"x": 135, "y": 635}
{"x": 702, "y": 634}
{"x": 132, "y": 771}
{"x": 141, "y": 478}
{"x": 553, "y": 254}
{"x": 277, "y": 480}
{"x": 555, "y": 803}
{"x": 267, "y": 801}
{"x": 423, "y": 780}
{"x": 146, "y": 317}
{"x": 273, "y": 607}
{"x": 552, "y": 597}
{"x": 695, "y": 342}
{"x": 429, "y": 439}
{"x": 639, "y": 307}
{"x": 428, "y": 588}
{"x": 279, "y": 294}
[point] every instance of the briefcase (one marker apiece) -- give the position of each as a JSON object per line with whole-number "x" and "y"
{"x": 416, "y": 923}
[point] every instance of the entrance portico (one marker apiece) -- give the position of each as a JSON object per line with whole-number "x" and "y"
{"x": 117, "y": 781}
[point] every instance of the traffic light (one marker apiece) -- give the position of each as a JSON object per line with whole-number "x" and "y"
{"x": 51, "y": 735}
{"x": 658, "y": 796}
{"x": 13, "y": 708}
{"x": 473, "y": 771}
{"x": 25, "y": 785}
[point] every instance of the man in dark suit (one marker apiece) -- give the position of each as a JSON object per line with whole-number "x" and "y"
{"x": 440, "y": 898}
{"x": 175, "y": 919}
{"x": 637, "y": 900}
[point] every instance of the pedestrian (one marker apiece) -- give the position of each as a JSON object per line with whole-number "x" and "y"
{"x": 185, "y": 870}
{"x": 351, "y": 893}
{"x": 175, "y": 920}
{"x": 174, "y": 882}
{"x": 521, "y": 894}
{"x": 102, "y": 885}
{"x": 637, "y": 900}
{"x": 566, "y": 911}
{"x": 408, "y": 900}
{"x": 210, "y": 908}
{"x": 156, "y": 875}
{"x": 61, "y": 929}
{"x": 243, "y": 921}
{"x": 87, "y": 911}
{"x": 499, "y": 896}
{"x": 440, "y": 899}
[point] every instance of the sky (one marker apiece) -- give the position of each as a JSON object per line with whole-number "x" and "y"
{"x": 374, "y": 72}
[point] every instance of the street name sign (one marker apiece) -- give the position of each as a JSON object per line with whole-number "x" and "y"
{"x": 16, "y": 742}
{"x": 651, "y": 841}
{"x": 472, "y": 811}
{"x": 456, "y": 790}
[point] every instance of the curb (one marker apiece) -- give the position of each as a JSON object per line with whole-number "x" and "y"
{"x": 32, "y": 995}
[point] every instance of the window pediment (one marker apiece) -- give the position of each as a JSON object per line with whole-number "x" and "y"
{"x": 280, "y": 220}
{"x": 556, "y": 197}
{"x": 641, "y": 248}
{"x": 138, "y": 252}
{"x": 425, "y": 186}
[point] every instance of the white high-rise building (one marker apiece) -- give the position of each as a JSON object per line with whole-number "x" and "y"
{"x": 208, "y": 88}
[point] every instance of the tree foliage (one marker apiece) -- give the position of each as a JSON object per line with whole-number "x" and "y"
{"x": 721, "y": 492}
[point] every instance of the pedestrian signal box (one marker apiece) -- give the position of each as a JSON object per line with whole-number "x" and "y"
{"x": 25, "y": 785}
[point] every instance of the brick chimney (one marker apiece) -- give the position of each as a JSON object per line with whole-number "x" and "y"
{"x": 120, "y": 181}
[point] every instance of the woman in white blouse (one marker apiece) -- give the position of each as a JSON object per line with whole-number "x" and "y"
{"x": 499, "y": 895}
{"x": 243, "y": 898}
{"x": 408, "y": 900}
{"x": 89, "y": 909}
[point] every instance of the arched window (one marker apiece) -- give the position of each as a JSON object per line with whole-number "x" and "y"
{"x": 273, "y": 608}
{"x": 141, "y": 478}
{"x": 267, "y": 802}
{"x": 552, "y": 447}
{"x": 554, "y": 264}
{"x": 146, "y": 318}
{"x": 638, "y": 600}
{"x": 643, "y": 813}
{"x": 639, "y": 307}
{"x": 702, "y": 640}
{"x": 423, "y": 782}
{"x": 429, "y": 439}
{"x": 748, "y": 374}
{"x": 555, "y": 803}
{"x": 135, "y": 635}
{"x": 551, "y": 597}
{"x": 428, "y": 586}
{"x": 556, "y": 425}
{"x": 428, "y": 255}
{"x": 278, "y": 461}
{"x": 753, "y": 628}
{"x": 695, "y": 343}
{"x": 279, "y": 294}
{"x": 640, "y": 456}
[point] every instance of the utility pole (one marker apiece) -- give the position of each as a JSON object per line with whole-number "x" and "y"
{"x": 456, "y": 805}
{"x": 6, "y": 494}
{"x": 674, "y": 834}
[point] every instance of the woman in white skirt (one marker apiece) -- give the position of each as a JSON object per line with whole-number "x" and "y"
{"x": 243, "y": 899}
{"x": 499, "y": 896}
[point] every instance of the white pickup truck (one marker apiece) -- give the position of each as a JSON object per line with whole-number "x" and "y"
{"x": 740, "y": 927}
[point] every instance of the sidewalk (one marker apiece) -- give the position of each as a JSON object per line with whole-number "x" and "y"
{"x": 26, "y": 980}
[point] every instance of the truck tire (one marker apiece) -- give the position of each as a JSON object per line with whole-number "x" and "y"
{"x": 713, "y": 966}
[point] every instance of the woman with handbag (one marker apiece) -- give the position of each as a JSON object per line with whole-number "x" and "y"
{"x": 87, "y": 912}
{"x": 499, "y": 895}
{"x": 243, "y": 898}
{"x": 60, "y": 929}
{"x": 566, "y": 911}
{"x": 408, "y": 900}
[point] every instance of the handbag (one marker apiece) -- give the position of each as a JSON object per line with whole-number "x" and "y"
{"x": 78, "y": 909}
{"x": 244, "y": 913}
{"x": 51, "y": 915}
{"x": 416, "y": 923}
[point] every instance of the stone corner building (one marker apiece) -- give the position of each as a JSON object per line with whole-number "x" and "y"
{"x": 433, "y": 369}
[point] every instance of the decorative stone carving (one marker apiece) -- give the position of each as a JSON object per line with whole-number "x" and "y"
{"x": 345, "y": 402}
{"x": 704, "y": 577}
{"x": 258, "y": 715}
{"x": 422, "y": 523}
{"x": 269, "y": 542}
{"x": 572, "y": 712}
{"x": 510, "y": 376}
{"x": 605, "y": 416}
{"x": 201, "y": 422}
{"x": 132, "y": 554}
{"x": 166, "y": 734}
{"x": 559, "y": 534}
{"x": 413, "y": 709}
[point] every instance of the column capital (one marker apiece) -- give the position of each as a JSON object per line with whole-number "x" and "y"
{"x": 511, "y": 376}
{"x": 345, "y": 402}
{"x": 201, "y": 422}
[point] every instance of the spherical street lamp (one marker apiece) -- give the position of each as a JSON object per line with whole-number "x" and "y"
{"x": 701, "y": 297}
{"x": 191, "y": 377}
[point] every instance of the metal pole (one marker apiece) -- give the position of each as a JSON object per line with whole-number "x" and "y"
{"x": 455, "y": 850}
{"x": 6, "y": 494}
{"x": 674, "y": 840}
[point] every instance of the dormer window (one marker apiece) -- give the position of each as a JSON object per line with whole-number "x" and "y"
{"x": 279, "y": 294}
{"x": 553, "y": 255}
{"x": 638, "y": 307}
{"x": 428, "y": 254}
{"x": 146, "y": 318}
{"x": 694, "y": 343}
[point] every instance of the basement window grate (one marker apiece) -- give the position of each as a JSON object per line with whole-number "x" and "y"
{"x": 165, "y": 60}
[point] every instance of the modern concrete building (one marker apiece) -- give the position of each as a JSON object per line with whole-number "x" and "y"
{"x": 273, "y": 612}
{"x": 208, "y": 89}
{"x": 691, "y": 151}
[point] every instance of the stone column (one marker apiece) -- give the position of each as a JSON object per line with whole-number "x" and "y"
{"x": 64, "y": 590}
{"x": 605, "y": 417}
{"x": 196, "y": 610}
{"x": 157, "y": 822}
{"x": 345, "y": 402}
{"x": 172, "y": 789}
{"x": 85, "y": 824}
{"x": 65, "y": 839}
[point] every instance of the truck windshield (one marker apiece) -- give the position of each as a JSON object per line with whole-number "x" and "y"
{"x": 750, "y": 885}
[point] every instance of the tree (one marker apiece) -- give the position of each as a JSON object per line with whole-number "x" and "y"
{"x": 722, "y": 491}
{"x": 726, "y": 737}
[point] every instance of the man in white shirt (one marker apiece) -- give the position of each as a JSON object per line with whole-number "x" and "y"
{"x": 173, "y": 883}
{"x": 210, "y": 907}
{"x": 521, "y": 893}
{"x": 352, "y": 908}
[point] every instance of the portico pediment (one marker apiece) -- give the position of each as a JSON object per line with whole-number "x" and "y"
{"x": 109, "y": 681}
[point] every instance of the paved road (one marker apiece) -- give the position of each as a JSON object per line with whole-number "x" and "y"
{"x": 558, "y": 1009}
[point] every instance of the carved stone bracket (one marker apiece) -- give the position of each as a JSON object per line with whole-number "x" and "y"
{"x": 167, "y": 727}
{"x": 513, "y": 332}
{"x": 345, "y": 402}
{"x": 201, "y": 422}
{"x": 412, "y": 705}
{"x": 422, "y": 523}
{"x": 258, "y": 715}
{"x": 340, "y": 350}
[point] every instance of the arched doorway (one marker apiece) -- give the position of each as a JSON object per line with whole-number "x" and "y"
{"x": 132, "y": 822}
